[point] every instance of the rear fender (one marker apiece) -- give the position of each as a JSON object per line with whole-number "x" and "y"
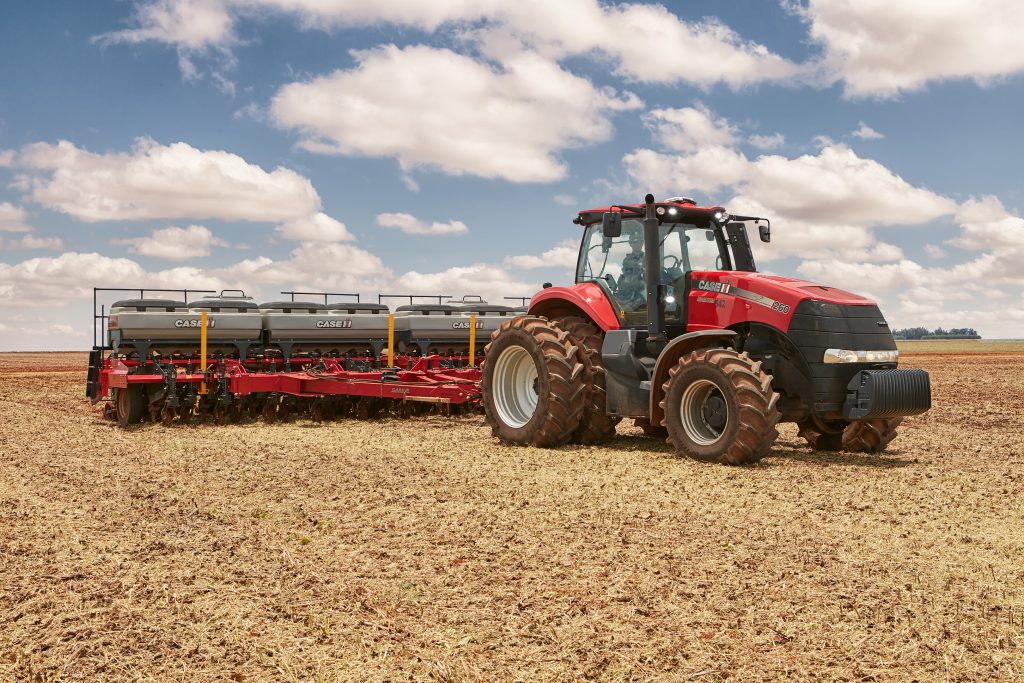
{"x": 587, "y": 299}
{"x": 677, "y": 348}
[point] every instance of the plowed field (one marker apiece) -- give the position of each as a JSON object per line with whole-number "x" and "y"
{"x": 423, "y": 550}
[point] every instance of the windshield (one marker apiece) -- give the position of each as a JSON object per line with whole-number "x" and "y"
{"x": 619, "y": 261}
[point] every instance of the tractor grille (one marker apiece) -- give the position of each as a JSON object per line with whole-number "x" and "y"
{"x": 819, "y": 325}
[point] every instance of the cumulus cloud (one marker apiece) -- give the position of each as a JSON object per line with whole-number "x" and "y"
{"x": 411, "y": 225}
{"x": 690, "y": 128}
{"x": 866, "y": 132}
{"x": 881, "y": 48}
{"x": 490, "y": 281}
{"x": 174, "y": 243}
{"x": 986, "y": 224}
{"x": 13, "y": 218}
{"x": 155, "y": 181}
{"x": 767, "y": 141}
{"x": 562, "y": 255}
{"x": 447, "y": 111}
{"x": 161, "y": 181}
{"x": 703, "y": 53}
{"x": 318, "y": 227}
{"x": 32, "y": 242}
{"x": 824, "y": 204}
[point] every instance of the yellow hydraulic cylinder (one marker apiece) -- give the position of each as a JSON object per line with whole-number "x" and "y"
{"x": 391, "y": 340}
{"x": 202, "y": 351}
{"x": 472, "y": 340}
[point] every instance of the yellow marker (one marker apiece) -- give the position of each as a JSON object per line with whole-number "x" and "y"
{"x": 472, "y": 339}
{"x": 391, "y": 340}
{"x": 202, "y": 351}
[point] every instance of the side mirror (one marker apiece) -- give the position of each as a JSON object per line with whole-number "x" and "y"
{"x": 765, "y": 229}
{"x": 611, "y": 224}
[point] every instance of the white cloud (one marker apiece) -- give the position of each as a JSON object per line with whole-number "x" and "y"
{"x": 986, "y": 224}
{"x": 411, "y": 225}
{"x": 690, "y": 128}
{"x": 934, "y": 251}
{"x": 506, "y": 123}
{"x": 12, "y": 218}
{"x": 562, "y": 255}
{"x": 707, "y": 170}
{"x": 823, "y": 204}
{"x": 703, "y": 53}
{"x": 174, "y": 243}
{"x": 866, "y": 132}
{"x": 882, "y": 48}
{"x": 318, "y": 227}
{"x": 767, "y": 141}
{"x": 161, "y": 181}
{"x": 564, "y": 200}
{"x": 32, "y": 242}
{"x": 487, "y": 280}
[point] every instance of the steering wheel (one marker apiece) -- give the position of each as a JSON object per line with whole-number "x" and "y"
{"x": 665, "y": 262}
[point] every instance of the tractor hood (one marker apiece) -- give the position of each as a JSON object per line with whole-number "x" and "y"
{"x": 788, "y": 287}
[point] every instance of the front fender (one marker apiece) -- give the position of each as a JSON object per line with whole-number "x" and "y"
{"x": 584, "y": 298}
{"x": 676, "y": 349}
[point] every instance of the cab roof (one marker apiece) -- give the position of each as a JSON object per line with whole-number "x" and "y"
{"x": 686, "y": 211}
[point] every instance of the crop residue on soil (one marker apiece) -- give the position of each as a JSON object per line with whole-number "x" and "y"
{"x": 424, "y": 550}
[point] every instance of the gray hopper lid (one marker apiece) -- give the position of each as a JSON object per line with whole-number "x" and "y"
{"x": 227, "y": 303}
{"x": 486, "y": 308}
{"x": 427, "y": 309}
{"x": 295, "y": 306}
{"x": 145, "y": 304}
{"x": 355, "y": 307}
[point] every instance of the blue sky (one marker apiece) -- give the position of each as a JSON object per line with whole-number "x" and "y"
{"x": 445, "y": 147}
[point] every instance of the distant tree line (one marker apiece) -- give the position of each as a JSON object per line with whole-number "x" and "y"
{"x": 937, "y": 333}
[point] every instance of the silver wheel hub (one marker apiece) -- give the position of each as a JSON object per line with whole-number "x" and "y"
{"x": 515, "y": 386}
{"x": 703, "y": 412}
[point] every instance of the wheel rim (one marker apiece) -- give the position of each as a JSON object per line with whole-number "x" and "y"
{"x": 122, "y": 404}
{"x": 515, "y": 386}
{"x": 704, "y": 412}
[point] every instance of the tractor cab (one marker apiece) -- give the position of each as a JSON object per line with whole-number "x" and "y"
{"x": 613, "y": 254}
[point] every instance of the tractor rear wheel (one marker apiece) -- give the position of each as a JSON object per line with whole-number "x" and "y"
{"x": 129, "y": 403}
{"x": 720, "y": 407}
{"x": 596, "y": 425}
{"x": 870, "y": 436}
{"x": 533, "y": 383}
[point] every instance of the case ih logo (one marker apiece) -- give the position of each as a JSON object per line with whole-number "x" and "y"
{"x": 334, "y": 323}
{"x": 710, "y": 286}
{"x": 182, "y": 322}
{"x": 464, "y": 325}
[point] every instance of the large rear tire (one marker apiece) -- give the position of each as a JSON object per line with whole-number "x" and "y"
{"x": 870, "y": 436}
{"x": 596, "y": 425}
{"x": 129, "y": 404}
{"x": 533, "y": 383}
{"x": 720, "y": 407}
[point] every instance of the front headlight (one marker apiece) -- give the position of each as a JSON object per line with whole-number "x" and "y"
{"x": 847, "y": 356}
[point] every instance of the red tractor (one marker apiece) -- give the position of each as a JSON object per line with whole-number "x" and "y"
{"x": 669, "y": 323}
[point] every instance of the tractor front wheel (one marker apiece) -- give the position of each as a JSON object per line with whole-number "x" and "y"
{"x": 870, "y": 436}
{"x": 720, "y": 407}
{"x": 533, "y": 383}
